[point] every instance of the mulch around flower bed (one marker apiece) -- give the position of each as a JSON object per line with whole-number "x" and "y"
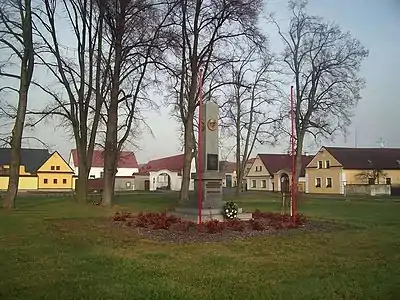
{"x": 159, "y": 228}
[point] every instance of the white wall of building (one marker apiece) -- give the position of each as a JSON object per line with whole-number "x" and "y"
{"x": 96, "y": 172}
{"x": 157, "y": 179}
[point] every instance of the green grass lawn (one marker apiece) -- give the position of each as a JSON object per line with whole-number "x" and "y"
{"x": 52, "y": 248}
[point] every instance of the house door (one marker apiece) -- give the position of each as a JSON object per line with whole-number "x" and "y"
{"x": 228, "y": 179}
{"x": 285, "y": 183}
{"x": 147, "y": 185}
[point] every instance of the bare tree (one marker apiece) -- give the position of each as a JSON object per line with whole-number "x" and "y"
{"x": 203, "y": 30}
{"x": 251, "y": 114}
{"x": 82, "y": 76}
{"x": 372, "y": 176}
{"x": 324, "y": 63}
{"x": 137, "y": 39}
{"x": 16, "y": 36}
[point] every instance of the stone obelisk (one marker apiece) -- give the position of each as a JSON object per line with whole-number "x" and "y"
{"x": 212, "y": 177}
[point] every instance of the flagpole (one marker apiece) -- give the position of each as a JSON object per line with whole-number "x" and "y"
{"x": 293, "y": 202}
{"x": 200, "y": 150}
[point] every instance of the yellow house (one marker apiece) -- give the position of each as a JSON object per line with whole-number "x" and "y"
{"x": 273, "y": 172}
{"x": 37, "y": 167}
{"x": 55, "y": 173}
{"x": 334, "y": 167}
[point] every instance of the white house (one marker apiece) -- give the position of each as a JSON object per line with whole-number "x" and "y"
{"x": 166, "y": 173}
{"x": 127, "y": 164}
{"x": 273, "y": 172}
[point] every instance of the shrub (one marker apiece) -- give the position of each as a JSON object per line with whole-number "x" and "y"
{"x": 156, "y": 220}
{"x": 257, "y": 225}
{"x": 236, "y": 225}
{"x": 214, "y": 226}
{"x": 182, "y": 225}
{"x": 121, "y": 216}
{"x": 279, "y": 221}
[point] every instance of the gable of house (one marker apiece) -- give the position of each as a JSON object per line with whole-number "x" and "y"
{"x": 55, "y": 164}
{"x": 324, "y": 158}
{"x": 258, "y": 168}
{"x": 31, "y": 159}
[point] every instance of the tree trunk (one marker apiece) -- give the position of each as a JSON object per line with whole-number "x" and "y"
{"x": 110, "y": 155}
{"x": 238, "y": 168}
{"x": 298, "y": 162}
{"x": 188, "y": 156}
{"x": 239, "y": 179}
{"x": 9, "y": 200}
{"x": 111, "y": 146}
{"x": 26, "y": 71}
{"x": 81, "y": 188}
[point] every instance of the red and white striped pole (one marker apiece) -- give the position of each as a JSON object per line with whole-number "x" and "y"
{"x": 200, "y": 150}
{"x": 293, "y": 208}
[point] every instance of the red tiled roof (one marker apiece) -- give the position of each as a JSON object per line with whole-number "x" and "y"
{"x": 170, "y": 163}
{"x": 227, "y": 166}
{"x": 126, "y": 159}
{"x": 366, "y": 158}
{"x": 276, "y": 162}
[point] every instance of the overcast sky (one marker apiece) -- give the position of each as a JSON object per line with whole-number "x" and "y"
{"x": 375, "y": 23}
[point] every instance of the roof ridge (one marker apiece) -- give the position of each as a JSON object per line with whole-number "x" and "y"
{"x": 166, "y": 157}
{"x": 361, "y": 148}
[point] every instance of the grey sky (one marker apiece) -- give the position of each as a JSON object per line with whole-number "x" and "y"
{"x": 374, "y": 23}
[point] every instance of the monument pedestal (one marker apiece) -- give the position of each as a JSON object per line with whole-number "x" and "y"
{"x": 212, "y": 208}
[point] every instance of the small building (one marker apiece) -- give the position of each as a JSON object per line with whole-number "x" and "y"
{"x": 55, "y": 174}
{"x": 332, "y": 168}
{"x": 165, "y": 173}
{"x": 269, "y": 172}
{"x": 39, "y": 170}
{"x": 229, "y": 170}
{"x": 127, "y": 164}
{"x": 230, "y": 175}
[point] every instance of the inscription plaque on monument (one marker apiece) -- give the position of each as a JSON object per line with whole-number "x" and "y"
{"x": 212, "y": 162}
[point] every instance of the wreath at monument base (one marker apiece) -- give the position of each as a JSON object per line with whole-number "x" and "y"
{"x": 230, "y": 210}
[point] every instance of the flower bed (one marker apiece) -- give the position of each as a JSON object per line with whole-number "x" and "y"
{"x": 156, "y": 221}
{"x": 169, "y": 228}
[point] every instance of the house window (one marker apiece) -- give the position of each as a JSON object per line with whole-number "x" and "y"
{"x": 92, "y": 176}
{"x": 45, "y": 181}
{"x": 64, "y": 181}
{"x": 253, "y": 183}
{"x": 318, "y": 182}
{"x": 329, "y": 182}
{"x": 256, "y": 169}
{"x": 264, "y": 184}
{"x": 55, "y": 180}
{"x": 260, "y": 168}
{"x": 371, "y": 181}
{"x": 52, "y": 168}
{"x": 327, "y": 164}
{"x": 389, "y": 181}
{"x": 58, "y": 168}
{"x": 320, "y": 164}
